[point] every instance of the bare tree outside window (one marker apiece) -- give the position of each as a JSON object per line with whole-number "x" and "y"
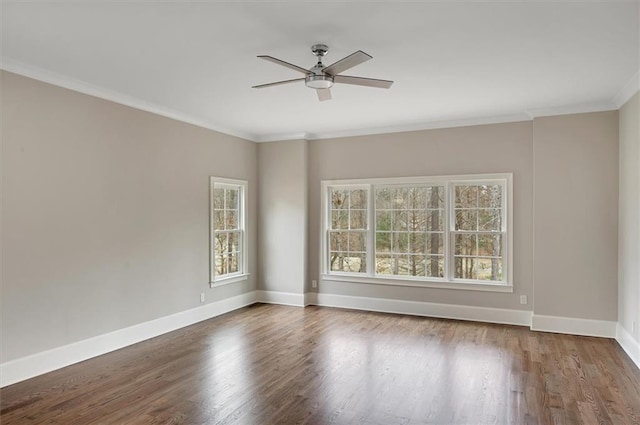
{"x": 478, "y": 232}
{"x": 348, "y": 230}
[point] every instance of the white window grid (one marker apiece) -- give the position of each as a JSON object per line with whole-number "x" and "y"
{"x": 448, "y": 280}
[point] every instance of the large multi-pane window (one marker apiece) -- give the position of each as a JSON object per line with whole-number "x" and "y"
{"x": 228, "y": 256}
{"x": 451, "y": 230}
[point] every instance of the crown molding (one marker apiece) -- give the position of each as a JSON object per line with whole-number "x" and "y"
{"x": 84, "y": 87}
{"x": 70, "y": 83}
{"x": 628, "y": 90}
{"x": 572, "y": 109}
{"x": 403, "y": 128}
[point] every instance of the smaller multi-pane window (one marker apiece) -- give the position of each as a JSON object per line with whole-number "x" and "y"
{"x": 478, "y": 231}
{"x": 348, "y": 230}
{"x": 227, "y": 228}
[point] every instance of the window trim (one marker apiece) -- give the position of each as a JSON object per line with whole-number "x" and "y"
{"x": 447, "y": 282}
{"x": 242, "y": 274}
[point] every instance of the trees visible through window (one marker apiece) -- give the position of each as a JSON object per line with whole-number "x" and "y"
{"x": 227, "y": 228}
{"x": 448, "y": 229}
{"x": 410, "y": 231}
{"x": 478, "y": 232}
{"x": 348, "y": 230}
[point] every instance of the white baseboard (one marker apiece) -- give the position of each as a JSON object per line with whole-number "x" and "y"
{"x": 628, "y": 344}
{"x": 573, "y": 326}
{"x": 47, "y": 361}
{"x": 283, "y": 298}
{"x": 416, "y": 308}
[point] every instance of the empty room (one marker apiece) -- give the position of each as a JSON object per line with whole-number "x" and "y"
{"x": 297, "y": 212}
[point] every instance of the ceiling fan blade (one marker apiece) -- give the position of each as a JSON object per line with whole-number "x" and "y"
{"x": 361, "y": 81}
{"x": 277, "y": 83}
{"x": 346, "y": 63}
{"x": 324, "y": 94}
{"x": 283, "y": 63}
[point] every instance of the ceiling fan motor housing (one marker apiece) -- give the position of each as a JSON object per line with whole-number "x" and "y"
{"x": 318, "y": 79}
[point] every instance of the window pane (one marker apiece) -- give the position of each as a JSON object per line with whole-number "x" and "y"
{"x": 435, "y": 197}
{"x": 383, "y": 220}
{"x": 218, "y": 199}
{"x": 434, "y": 266}
{"x": 357, "y": 242}
{"x": 231, "y": 219}
{"x": 489, "y": 219}
{"x": 400, "y": 242}
{"x": 490, "y": 245}
{"x": 384, "y": 264}
{"x": 233, "y": 242}
{"x": 358, "y": 219}
{"x": 465, "y": 268}
{"x": 435, "y": 243}
{"x": 400, "y": 198}
{"x": 218, "y": 220}
{"x": 232, "y": 199}
{"x": 466, "y": 196}
{"x": 466, "y": 219}
{"x": 417, "y": 220}
{"x": 416, "y": 265}
{"x": 384, "y": 198}
{"x": 338, "y": 241}
{"x": 399, "y": 220}
{"x": 345, "y": 262}
{"x": 339, "y": 219}
{"x": 383, "y": 242}
{"x": 336, "y": 261}
{"x": 221, "y": 243}
{"x": 417, "y": 243}
{"x": 233, "y": 263}
{"x": 489, "y": 268}
{"x": 339, "y": 199}
{"x": 490, "y": 196}
{"x": 358, "y": 199}
{"x": 220, "y": 264}
{"x": 465, "y": 244}
{"x": 435, "y": 220}
{"x": 401, "y": 265}
{"x": 416, "y": 198}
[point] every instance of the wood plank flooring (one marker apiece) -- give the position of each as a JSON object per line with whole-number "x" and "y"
{"x": 269, "y": 364}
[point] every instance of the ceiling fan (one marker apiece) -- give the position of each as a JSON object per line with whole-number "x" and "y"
{"x": 322, "y": 77}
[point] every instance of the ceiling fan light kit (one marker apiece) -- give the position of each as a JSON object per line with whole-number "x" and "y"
{"x": 321, "y": 78}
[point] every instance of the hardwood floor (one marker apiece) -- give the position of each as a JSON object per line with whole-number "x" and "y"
{"x": 269, "y": 364}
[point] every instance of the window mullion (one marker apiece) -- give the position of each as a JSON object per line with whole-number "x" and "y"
{"x": 371, "y": 231}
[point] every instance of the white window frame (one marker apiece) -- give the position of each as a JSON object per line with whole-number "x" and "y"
{"x": 448, "y": 281}
{"x": 243, "y": 261}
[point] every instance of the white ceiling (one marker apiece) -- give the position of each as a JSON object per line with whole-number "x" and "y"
{"x": 452, "y": 62}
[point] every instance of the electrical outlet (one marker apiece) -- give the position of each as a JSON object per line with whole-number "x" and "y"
{"x": 202, "y": 297}
{"x": 314, "y": 283}
{"x": 523, "y": 299}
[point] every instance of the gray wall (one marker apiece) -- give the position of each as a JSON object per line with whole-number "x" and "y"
{"x": 105, "y": 215}
{"x": 629, "y": 218}
{"x": 465, "y": 150}
{"x": 282, "y": 170}
{"x": 105, "y": 212}
{"x": 576, "y": 215}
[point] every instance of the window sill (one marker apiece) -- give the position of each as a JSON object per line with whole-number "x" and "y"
{"x": 440, "y": 284}
{"x": 227, "y": 280}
